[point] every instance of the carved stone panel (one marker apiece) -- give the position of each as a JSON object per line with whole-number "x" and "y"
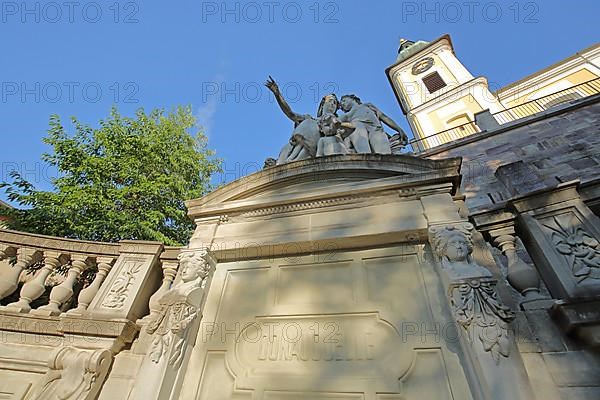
{"x": 345, "y": 325}
{"x": 562, "y": 235}
{"x": 120, "y": 289}
{"x": 131, "y": 281}
{"x": 579, "y": 248}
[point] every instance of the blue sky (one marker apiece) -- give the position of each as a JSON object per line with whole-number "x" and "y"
{"x": 81, "y": 57}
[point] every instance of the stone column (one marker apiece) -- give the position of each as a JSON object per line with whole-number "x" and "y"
{"x": 499, "y": 227}
{"x": 25, "y": 258}
{"x": 176, "y": 319}
{"x": 87, "y": 295}
{"x": 482, "y": 319}
{"x": 34, "y": 288}
{"x": 523, "y": 277}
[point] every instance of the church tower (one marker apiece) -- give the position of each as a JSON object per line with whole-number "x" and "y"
{"x": 438, "y": 95}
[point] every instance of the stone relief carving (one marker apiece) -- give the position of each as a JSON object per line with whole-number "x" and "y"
{"x": 578, "y": 246}
{"x": 119, "y": 291}
{"x": 178, "y": 308}
{"x": 472, "y": 291}
{"x": 74, "y": 374}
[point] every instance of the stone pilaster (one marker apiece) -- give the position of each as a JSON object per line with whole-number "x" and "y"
{"x": 483, "y": 321}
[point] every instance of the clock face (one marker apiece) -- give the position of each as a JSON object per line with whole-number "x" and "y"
{"x": 422, "y": 65}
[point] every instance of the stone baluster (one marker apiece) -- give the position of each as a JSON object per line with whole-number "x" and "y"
{"x": 7, "y": 251}
{"x": 63, "y": 292}
{"x": 34, "y": 288}
{"x": 87, "y": 295}
{"x": 169, "y": 268}
{"x": 10, "y": 281}
{"x": 521, "y": 275}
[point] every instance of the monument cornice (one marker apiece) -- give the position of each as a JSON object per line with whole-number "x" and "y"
{"x": 325, "y": 179}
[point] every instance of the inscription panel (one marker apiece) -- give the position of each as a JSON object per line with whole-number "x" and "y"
{"x": 274, "y": 329}
{"x": 300, "y": 349}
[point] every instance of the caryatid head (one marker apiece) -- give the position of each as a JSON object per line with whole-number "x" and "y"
{"x": 193, "y": 265}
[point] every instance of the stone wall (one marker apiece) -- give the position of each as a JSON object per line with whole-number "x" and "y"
{"x": 554, "y": 146}
{"x": 533, "y": 158}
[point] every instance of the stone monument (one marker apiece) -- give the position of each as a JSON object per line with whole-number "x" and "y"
{"x": 358, "y": 130}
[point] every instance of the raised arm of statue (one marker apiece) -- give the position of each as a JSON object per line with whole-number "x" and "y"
{"x": 389, "y": 122}
{"x": 285, "y": 107}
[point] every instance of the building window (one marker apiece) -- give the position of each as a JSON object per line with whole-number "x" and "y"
{"x": 433, "y": 82}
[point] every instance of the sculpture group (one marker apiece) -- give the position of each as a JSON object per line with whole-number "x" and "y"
{"x": 358, "y": 130}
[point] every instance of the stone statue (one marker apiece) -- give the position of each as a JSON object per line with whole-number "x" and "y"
{"x": 472, "y": 291}
{"x": 359, "y": 130}
{"x": 178, "y": 309}
{"x": 305, "y": 137}
{"x": 368, "y": 135}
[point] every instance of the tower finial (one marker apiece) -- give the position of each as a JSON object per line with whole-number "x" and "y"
{"x": 404, "y": 44}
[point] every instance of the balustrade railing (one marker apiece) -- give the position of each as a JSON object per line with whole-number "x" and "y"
{"x": 449, "y": 135}
{"x": 23, "y": 251}
{"x": 526, "y": 109}
{"x": 531, "y": 107}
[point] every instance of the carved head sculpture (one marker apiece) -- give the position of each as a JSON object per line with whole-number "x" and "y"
{"x": 193, "y": 266}
{"x": 329, "y": 104}
{"x": 452, "y": 244}
{"x": 348, "y": 100}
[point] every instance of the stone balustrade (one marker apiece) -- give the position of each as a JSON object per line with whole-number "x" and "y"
{"x": 70, "y": 307}
{"x": 25, "y": 250}
{"x": 43, "y": 290}
{"x": 127, "y": 292}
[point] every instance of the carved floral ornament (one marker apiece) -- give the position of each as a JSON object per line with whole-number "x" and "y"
{"x": 577, "y": 245}
{"x": 472, "y": 291}
{"x": 119, "y": 292}
{"x": 178, "y": 308}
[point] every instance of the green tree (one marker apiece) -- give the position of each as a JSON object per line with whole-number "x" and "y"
{"x": 127, "y": 179}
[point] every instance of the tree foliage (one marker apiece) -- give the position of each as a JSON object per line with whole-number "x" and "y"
{"x": 126, "y": 179}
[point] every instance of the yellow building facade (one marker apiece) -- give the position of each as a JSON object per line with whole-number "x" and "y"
{"x": 442, "y": 100}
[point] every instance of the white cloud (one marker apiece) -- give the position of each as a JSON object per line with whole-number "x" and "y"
{"x": 207, "y": 111}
